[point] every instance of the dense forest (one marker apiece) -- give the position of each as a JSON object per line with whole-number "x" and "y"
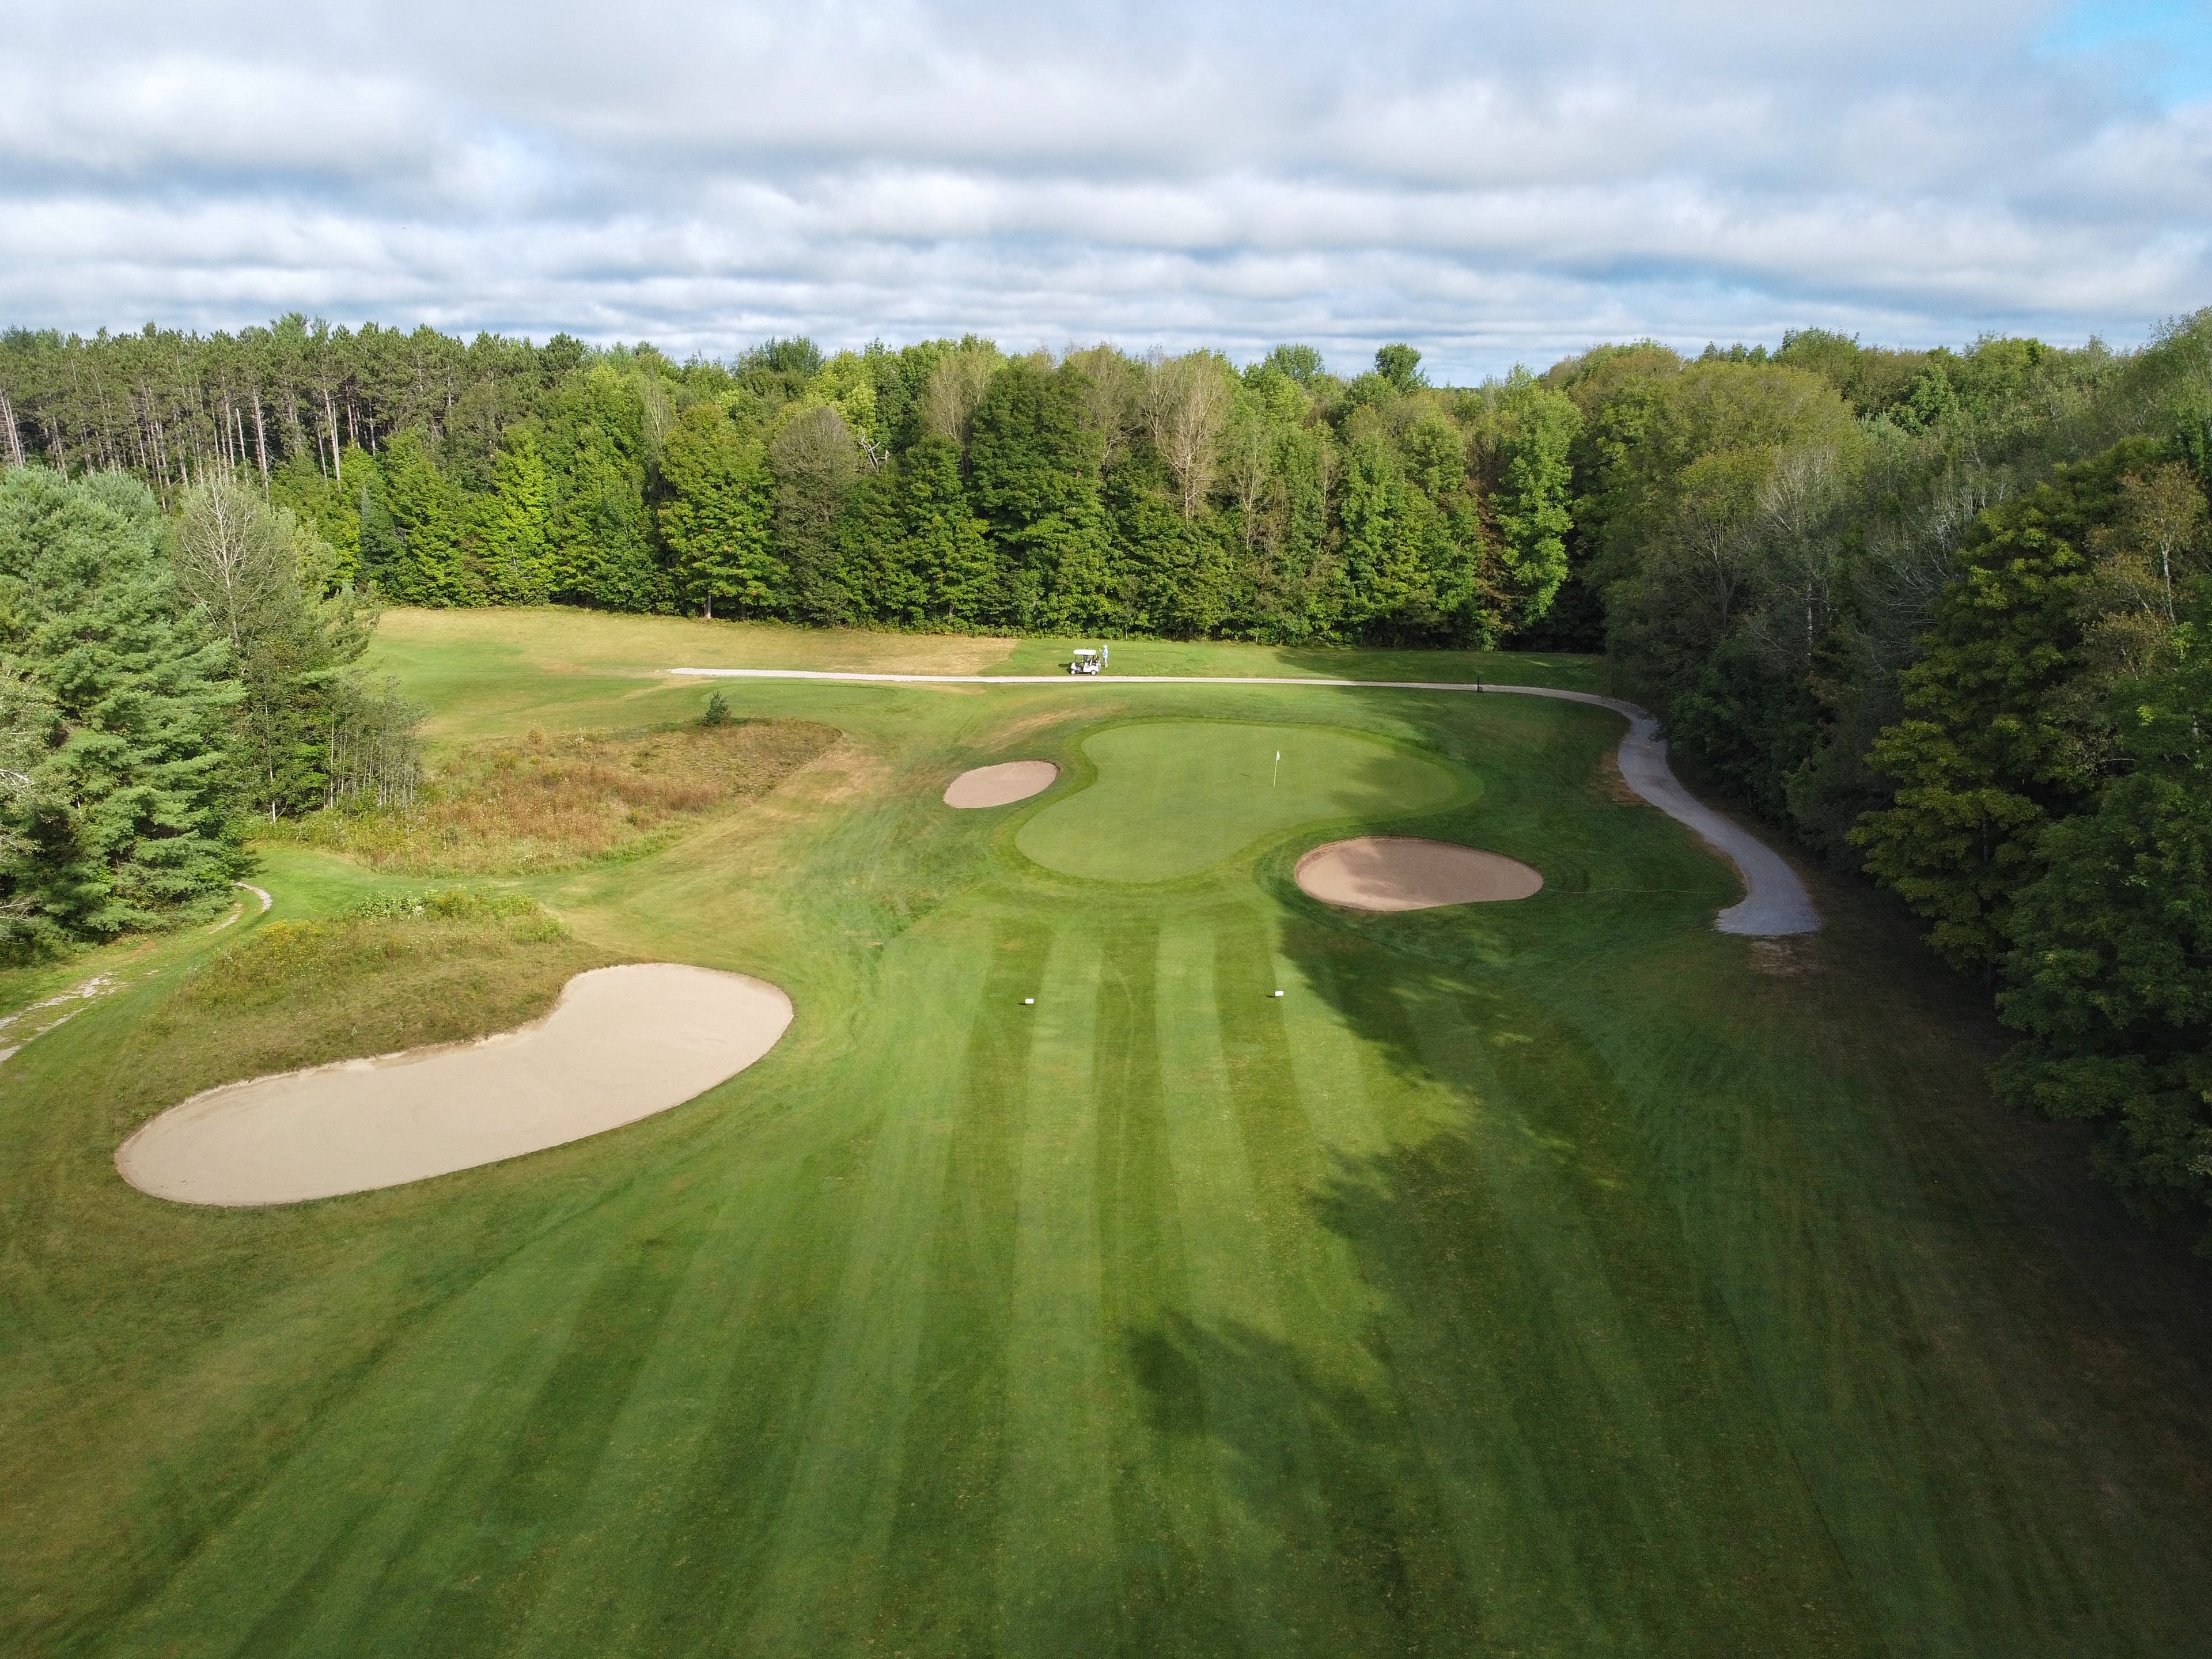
{"x": 941, "y": 486}
{"x": 1943, "y": 617}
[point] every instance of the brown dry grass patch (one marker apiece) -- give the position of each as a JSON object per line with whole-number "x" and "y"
{"x": 1792, "y": 958}
{"x": 549, "y": 802}
{"x": 1610, "y": 786}
{"x": 450, "y": 967}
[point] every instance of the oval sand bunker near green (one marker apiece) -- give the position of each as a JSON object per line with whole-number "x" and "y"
{"x": 1173, "y": 797}
{"x": 621, "y": 1044}
{"x": 1399, "y": 872}
{"x": 1001, "y": 785}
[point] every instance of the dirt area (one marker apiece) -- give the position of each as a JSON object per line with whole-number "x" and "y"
{"x": 1399, "y": 872}
{"x": 1791, "y": 957}
{"x": 1001, "y": 785}
{"x": 622, "y": 1044}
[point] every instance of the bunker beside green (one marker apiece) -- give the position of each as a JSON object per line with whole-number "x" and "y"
{"x": 1173, "y": 797}
{"x": 1561, "y": 1277}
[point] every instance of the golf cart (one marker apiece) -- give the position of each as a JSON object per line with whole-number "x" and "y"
{"x": 1087, "y": 662}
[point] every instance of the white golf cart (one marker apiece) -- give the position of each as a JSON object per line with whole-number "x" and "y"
{"x": 1087, "y": 662}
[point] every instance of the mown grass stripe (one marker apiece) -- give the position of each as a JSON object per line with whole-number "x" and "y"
{"x": 1176, "y": 1588}
{"x": 1231, "y": 1336}
{"x": 937, "y": 1589}
{"x": 345, "y": 1525}
{"x": 700, "y": 1353}
{"x": 725, "y": 1495}
{"x": 1396, "y": 1577}
{"x": 936, "y": 1175}
{"x": 1055, "y": 1547}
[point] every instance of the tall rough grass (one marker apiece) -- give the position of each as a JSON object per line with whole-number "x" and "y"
{"x": 550, "y": 802}
{"x": 440, "y": 967}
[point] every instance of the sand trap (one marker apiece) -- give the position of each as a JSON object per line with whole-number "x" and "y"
{"x": 621, "y": 1044}
{"x": 1398, "y": 872}
{"x": 1001, "y": 785}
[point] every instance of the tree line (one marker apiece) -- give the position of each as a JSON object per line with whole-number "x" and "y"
{"x": 1942, "y": 615}
{"x": 1946, "y": 618}
{"x": 943, "y": 485}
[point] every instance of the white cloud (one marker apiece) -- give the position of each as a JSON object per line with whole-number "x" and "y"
{"x": 1492, "y": 182}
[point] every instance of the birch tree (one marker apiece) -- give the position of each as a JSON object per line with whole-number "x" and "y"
{"x": 1186, "y": 402}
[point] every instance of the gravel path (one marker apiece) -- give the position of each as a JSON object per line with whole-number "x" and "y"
{"x": 1775, "y": 901}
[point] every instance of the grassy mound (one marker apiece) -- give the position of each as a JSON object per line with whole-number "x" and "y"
{"x": 550, "y": 803}
{"x": 394, "y": 973}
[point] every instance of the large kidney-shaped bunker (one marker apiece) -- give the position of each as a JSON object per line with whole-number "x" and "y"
{"x": 1173, "y": 797}
{"x": 621, "y": 1044}
{"x": 1400, "y": 872}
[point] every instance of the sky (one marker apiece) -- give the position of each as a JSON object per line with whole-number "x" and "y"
{"x": 1496, "y": 183}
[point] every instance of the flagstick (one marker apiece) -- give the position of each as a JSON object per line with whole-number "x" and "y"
{"x": 1278, "y": 778}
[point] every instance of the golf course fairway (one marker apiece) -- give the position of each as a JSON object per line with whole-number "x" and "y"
{"x": 1558, "y": 1277}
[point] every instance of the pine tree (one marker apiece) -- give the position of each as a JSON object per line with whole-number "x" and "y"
{"x": 717, "y": 517}
{"x": 420, "y": 558}
{"x": 515, "y": 523}
{"x": 121, "y": 820}
{"x": 268, "y": 587}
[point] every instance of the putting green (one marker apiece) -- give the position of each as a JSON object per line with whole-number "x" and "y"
{"x": 1173, "y": 797}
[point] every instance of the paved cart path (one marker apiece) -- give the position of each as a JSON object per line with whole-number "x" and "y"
{"x": 1774, "y": 901}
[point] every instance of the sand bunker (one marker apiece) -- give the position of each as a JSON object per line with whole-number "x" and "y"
{"x": 1001, "y": 785}
{"x": 621, "y": 1044}
{"x": 1397, "y": 873}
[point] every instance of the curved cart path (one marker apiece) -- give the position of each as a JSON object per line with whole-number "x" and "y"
{"x": 1775, "y": 901}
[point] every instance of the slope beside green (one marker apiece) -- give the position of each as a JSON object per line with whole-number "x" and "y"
{"x": 1556, "y": 1277}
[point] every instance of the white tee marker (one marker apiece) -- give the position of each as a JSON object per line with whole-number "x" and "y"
{"x": 1028, "y": 1002}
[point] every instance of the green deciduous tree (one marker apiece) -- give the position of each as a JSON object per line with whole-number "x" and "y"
{"x": 1036, "y": 480}
{"x": 1400, "y": 364}
{"x": 1990, "y": 754}
{"x": 2109, "y": 964}
{"x": 944, "y": 545}
{"x": 817, "y": 462}
{"x": 1538, "y": 430}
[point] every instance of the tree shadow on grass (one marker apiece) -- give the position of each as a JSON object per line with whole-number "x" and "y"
{"x": 1729, "y": 1283}
{"x": 1537, "y": 1433}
